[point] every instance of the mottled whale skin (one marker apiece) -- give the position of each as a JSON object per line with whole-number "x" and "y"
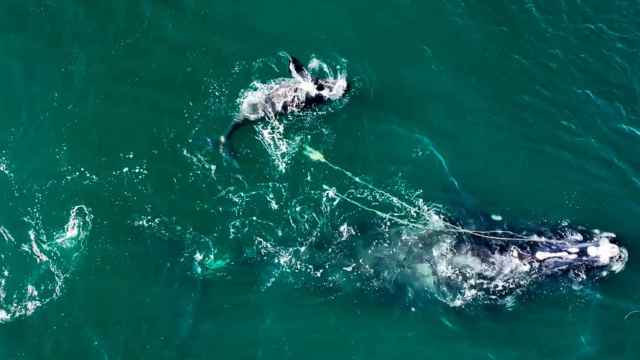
{"x": 287, "y": 95}
{"x": 462, "y": 268}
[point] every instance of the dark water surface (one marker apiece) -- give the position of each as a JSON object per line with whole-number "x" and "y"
{"x": 125, "y": 236}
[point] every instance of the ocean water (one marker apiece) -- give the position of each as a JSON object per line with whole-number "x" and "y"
{"x": 124, "y": 234}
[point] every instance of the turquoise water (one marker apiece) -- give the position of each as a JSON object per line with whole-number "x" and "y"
{"x": 124, "y": 235}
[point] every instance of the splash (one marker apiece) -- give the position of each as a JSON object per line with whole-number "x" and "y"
{"x": 76, "y": 230}
{"x": 281, "y": 150}
{"x": 4, "y": 167}
{"x": 33, "y": 272}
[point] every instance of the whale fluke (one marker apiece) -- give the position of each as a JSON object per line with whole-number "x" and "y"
{"x": 297, "y": 70}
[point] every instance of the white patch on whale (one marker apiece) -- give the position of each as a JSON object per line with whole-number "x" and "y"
{"x": 605, "y": 251}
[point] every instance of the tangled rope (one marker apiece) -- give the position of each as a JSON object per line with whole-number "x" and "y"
{"x": 317, "y": 156}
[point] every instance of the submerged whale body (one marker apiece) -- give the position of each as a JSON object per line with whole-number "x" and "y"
{"x": 460, "y": 267}
{"x": 286, "y": 95}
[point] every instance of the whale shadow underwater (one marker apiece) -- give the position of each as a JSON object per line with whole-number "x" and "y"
{"x": 300, "y": 91}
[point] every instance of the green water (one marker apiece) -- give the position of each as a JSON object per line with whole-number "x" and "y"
{"x": 526, "y": 108}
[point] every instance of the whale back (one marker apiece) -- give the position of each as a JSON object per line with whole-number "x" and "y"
{"x": 462, "y": 268}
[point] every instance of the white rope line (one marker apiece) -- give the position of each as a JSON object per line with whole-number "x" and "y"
{"x": 315, "y": 155}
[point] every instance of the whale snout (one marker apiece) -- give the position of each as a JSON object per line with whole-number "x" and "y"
{"x": 604, "y": 253}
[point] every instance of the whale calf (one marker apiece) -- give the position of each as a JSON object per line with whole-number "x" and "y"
{"x": 286, "y": 95}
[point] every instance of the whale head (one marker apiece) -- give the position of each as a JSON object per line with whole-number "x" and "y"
{"x": 596, "y": 256}
{"x": 459, "y": 268}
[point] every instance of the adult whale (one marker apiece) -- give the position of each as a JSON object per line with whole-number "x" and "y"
{"x": 286, "y": 95}
{"x": 461, "y": 266}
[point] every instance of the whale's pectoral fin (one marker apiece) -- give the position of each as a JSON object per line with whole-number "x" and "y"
{"x": 297, "y": 69}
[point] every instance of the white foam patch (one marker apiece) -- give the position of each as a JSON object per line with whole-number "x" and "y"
{"x": 281, "y": 150}
{"x": 32, "y": 272}
{"x": 346, "y": 231}
{"x": 4, "y": 167}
